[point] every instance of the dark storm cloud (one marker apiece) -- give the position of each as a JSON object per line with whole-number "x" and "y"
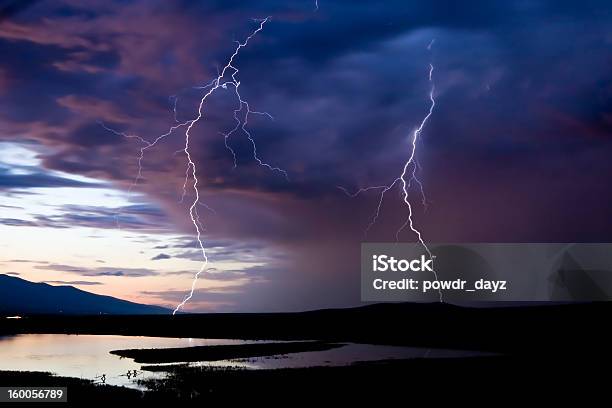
{"x": 28, "y": 261}
{"x": 81, "y": 283}
{"x": 213, "y": 274}
{"x": 104, "y": 219}
{"x": 159, "y": 257}
{"x": 94, "y": 135}
{"x": 37, "y": 179}
{"x": 16, "y": 222}
{"x": 9, "y": 8}
{"x": 216, "y": 244}
{"x": 136, "y": 217}
{"x": 515, "y": 150}
{"x": 217, "y": 299}
{"x": 224, "y": 250}
{"x": 12, "y": 207}
{"x": 119, "y": 272}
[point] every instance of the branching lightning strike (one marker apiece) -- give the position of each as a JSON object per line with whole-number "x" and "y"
{"x": 227, "y": 77}
{"x": 214, "y": 85}
{"x": 405, "y": 179}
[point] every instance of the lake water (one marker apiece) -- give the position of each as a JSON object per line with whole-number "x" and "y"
{"x": 88, "y": 356}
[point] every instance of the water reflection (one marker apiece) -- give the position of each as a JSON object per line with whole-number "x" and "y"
{"x": 348, "y": 354}
{"x": 86, "y": 356}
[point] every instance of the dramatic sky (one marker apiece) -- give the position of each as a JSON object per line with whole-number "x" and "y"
{"x": 518, "y": 148}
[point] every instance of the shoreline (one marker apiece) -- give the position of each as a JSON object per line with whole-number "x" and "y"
{"x": 221, "y": 352}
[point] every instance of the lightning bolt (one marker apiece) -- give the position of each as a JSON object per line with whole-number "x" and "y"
{"x": 146, "y": 145}
{"x": 405, "y": 179}
{"x": 412, "y": 162}
{"x": 226, "y": 78}
{"x": 241, "y": 123}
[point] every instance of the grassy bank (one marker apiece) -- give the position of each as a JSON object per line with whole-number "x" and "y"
{"x": 79, "y": 390}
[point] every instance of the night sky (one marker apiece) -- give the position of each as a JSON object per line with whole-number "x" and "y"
{"x": 517, "y": 149}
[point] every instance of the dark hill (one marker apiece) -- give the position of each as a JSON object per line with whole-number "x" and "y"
{"x": 19, "y": 296}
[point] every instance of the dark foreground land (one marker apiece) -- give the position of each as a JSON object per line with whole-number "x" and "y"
{"x": 549, "y": 353}
{"x": 495, "y": 380}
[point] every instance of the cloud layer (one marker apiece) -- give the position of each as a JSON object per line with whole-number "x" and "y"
{"x": 517, "y": 149}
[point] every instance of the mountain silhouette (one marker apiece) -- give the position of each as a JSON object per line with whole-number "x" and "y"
{"x": 19, "y": 296}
